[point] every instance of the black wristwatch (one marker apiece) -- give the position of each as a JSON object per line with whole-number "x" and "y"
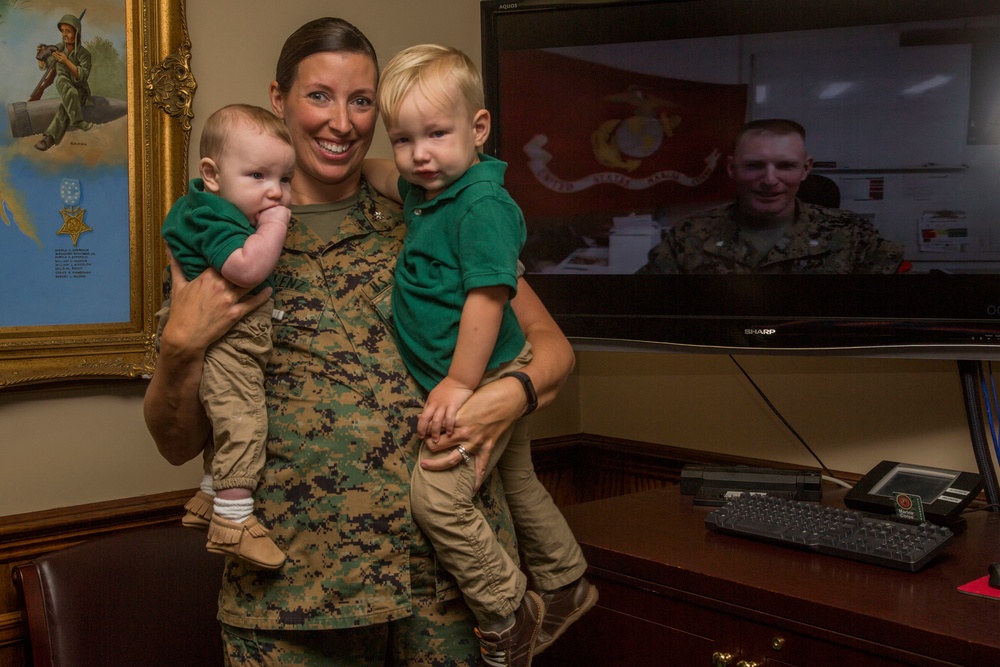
{"x": 529, "y": 389}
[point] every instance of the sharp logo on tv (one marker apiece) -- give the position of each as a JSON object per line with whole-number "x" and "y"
{"x": 760, "y": 332}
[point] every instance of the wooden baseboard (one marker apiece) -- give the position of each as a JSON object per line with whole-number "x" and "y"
{"x": 12, "y": 630}
{"x": 584, "y": 467}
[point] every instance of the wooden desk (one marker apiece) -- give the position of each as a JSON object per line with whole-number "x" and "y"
{"x": 674, "y": 593}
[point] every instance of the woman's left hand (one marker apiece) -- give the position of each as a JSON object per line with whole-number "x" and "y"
{"x": 494, "y": 407}
{"x": 490, "y": 411}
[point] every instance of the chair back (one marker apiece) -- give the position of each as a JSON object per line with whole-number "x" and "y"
{"x": 820, "y": 190}
{"x": 146, "y": 597}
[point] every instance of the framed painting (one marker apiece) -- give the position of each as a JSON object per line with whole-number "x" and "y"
{"x": 98, "y": 101}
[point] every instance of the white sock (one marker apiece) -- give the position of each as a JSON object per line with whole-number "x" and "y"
{"x": 234, "y": 510}
{"x": 207, "y": 486}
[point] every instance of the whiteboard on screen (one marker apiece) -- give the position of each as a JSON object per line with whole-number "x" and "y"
{"x": 873, "y": 109}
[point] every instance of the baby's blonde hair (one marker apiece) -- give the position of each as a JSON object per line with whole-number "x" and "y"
{"x": 437, "y": 72}
{"x": 223, "y": 124}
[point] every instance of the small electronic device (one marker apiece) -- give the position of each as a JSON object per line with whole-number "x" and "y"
{"x": 716, "y": 485}
{"x": 915, "y": 492}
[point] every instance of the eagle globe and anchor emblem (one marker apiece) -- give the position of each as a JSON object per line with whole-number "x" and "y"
{"x": 636, "y": 137}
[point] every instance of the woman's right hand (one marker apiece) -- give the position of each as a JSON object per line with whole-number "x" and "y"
{"x": 203, "y": 310}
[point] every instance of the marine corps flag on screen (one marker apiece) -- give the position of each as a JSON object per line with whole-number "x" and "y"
{"x": 581, "y": 137}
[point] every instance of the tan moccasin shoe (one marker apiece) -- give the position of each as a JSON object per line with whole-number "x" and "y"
{"x": 247, "y": 540}
{"x": 199, "y": 511}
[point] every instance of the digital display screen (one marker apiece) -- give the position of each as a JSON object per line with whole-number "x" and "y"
{"x": 927, "y": 484}
{"x": 900, "y": 104}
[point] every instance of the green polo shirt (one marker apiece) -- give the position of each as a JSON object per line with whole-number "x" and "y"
{"x": 202, "y": 230}
{"x": 469, "y": 236}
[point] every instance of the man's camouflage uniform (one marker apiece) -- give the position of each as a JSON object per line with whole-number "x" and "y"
{"x": 342, "y": 412}
{"x": 820, "y": 240}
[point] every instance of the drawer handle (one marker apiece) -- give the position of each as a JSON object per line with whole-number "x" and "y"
{"x": 720, "y": 659}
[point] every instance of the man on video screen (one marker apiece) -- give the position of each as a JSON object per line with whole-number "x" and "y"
{"x": 769, "y": 228}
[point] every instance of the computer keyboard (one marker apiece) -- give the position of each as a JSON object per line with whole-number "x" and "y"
{"x": 861, "y": 536}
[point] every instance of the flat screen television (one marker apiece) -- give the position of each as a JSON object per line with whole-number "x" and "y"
{"x": 616, "y": 118}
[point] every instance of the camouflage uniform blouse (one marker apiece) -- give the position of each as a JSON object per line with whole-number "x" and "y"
{"x": 342, "y": 412}
{"x": 821, "y": 240}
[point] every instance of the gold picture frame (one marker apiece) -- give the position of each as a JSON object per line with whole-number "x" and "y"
{"x": 160, "y": 89}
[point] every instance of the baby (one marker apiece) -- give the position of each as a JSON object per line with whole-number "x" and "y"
{"x": 234, "y": 219}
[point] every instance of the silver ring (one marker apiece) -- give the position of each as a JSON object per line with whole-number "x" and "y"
{"x": 465, "y": 454}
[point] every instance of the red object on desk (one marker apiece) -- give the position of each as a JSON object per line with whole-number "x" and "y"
{"x": 980, "y": 587}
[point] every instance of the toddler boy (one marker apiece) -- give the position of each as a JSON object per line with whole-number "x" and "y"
{"x": 456, "y": 330}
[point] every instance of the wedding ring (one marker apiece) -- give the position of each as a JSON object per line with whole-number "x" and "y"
{"x": 465, "y": 454}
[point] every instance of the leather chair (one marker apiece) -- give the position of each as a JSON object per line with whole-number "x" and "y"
{"x": 141, "y": 597}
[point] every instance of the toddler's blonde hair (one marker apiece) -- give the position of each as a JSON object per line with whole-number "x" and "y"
{"x": 437, "y": 72}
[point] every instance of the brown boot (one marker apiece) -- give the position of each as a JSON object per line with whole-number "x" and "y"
{"x": 563, "y": 607}
{"x": 247, "y": 540}
{"x": 45, "y": 143}
{"x": 514, "y": 646}
{"x": 199, "y": 511}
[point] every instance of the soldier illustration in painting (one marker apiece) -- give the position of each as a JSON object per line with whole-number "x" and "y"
{"x": 68, "y": 66}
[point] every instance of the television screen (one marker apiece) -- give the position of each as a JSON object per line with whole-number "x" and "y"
{"x": 618, "y": 121}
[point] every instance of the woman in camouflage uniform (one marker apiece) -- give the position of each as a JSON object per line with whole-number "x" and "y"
{"x": 360, "y": 586}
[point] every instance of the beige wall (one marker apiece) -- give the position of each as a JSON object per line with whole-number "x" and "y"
{"x": 67, "y": 447}
{"x": 853, "y": 413}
